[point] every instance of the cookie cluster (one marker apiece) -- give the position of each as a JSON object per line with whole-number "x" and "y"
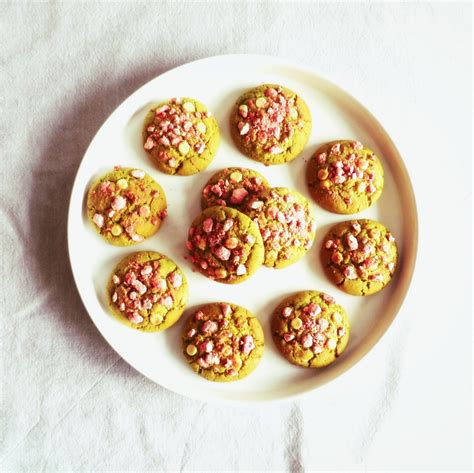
{"x": 244, "y": 224}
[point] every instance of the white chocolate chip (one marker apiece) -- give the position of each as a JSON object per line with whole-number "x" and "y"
{"x": 138, "y": 173}
{"x": 122, "y": 183}
{"x": 201, "y": 127}
{"x": 183, "y": 148}
{"x": 188, "y": 107}
{"x": 245, "y": 129}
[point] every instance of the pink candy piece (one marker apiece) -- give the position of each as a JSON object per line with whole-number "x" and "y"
{"x": 352, "y": 242}
{"x": 98, "y": 219}
{"x": 167, "y": 302}
{"x": 321, "y": 159}
{"x": 118, "y": 203}
{"x": 350, "y": 272}
{"x": 149, "y": 144}
{"x": 307, "y": 340}
{"x": 161, "y": 285}
{"x": 288, "y": 337}
{"x": 135, "y": 318}
{"x": 246, "y": 344}
{"x": 212, "y": 359}
{"x": 207, "y": 225}
{"x": 226, "y": 309}
{"x": 250, "y": 239}
{"x": 329, "y": 244}
{"x": 376, "y": 277}
{"x": 208, "y": 327}
{"x": 202, "y": 363}
{"x": 191, "y": 333}
{"x": 241, "y": 270}
{"x": 176, "y": 279}
{"x": 228, "y": 224}
{"x": 323, "y": 324}
{"x": 115, "y": 279}
{"x": 238, "y": 195}
{"x": 139, "y": 286}
{"x": 206, "y": 346}
{"x": 146, "y": 271}
{"x": 222, "y": 253}
{"x": 287, "y": 311}
{"x": 312, "y": 309}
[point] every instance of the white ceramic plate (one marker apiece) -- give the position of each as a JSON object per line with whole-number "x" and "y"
{"x": 217, "y": 82}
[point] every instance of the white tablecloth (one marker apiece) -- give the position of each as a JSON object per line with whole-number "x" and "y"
{"x": 69, "y": 402}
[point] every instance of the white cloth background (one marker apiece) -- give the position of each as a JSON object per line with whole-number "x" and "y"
{"x": 69, "y": 402}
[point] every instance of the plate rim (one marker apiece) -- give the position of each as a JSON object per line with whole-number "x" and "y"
{"x": 410, "y": 250}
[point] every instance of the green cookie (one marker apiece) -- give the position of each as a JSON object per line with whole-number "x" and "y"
{"x": 359, "y": 256}
{"x": 310, "y": 329}
{"x": 270, "y": 124}
{"x": 286, "y": 224}
{"x": 233, "y": 187}
{"x": 147, "y": 291}
{"x": 181, "y": 136}
{"x": 345, "y": 177}
{"x": 225, "y": 245}
{"x": 223, "y": 342}
{"x": 126, "y": 206}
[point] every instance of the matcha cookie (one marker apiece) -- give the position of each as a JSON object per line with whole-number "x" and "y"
{"x": 270, "y": 124}
{"x": 310, "y": 329}
{"x": 359, "y": 256}
{"x": 223, "y": 342}
{"x": 126, "y": 206}
{"x": 147, "y": 291}
{"x": 225, "y": 245}
{"x": 233, "y": 187}
{"x": 286, "y": 224}
{"x": 345, "y": 177}
{"x": 181, "y": 136}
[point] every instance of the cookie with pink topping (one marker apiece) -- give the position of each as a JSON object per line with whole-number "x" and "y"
{"x": 310, "y": 329}
{"x": 223, "y": 342}
{"x": 147, "y": 291}
{"x": 225, "y": 245}
{"x": 345, "y": 177}
{"x": 286, "y": 224}
{"x": 359, "y": 256}
{"x": 126, "y": 206}
{"x": 270, "y": 124}
{"x": 181, "y": 136}
{"x": 233, "y": 187}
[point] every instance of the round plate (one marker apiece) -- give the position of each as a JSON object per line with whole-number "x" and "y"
{"x": 217, "y": 82}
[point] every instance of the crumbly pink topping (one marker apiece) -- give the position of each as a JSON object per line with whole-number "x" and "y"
{"x": 285, "y": 223}
{"x": 236, "y": 189}
{"x": 141, "y": 288}
{"x": 315, "y": 326}
{"x": 344, "y": 162}
{"x": 361, "y": 254}
{"x": 269, "y": 121}
{"x": 213, "y": 344}
{"x": 177, "y": 126}
{"x": 120, "y": 214}
{"x": 218, "y": 249}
